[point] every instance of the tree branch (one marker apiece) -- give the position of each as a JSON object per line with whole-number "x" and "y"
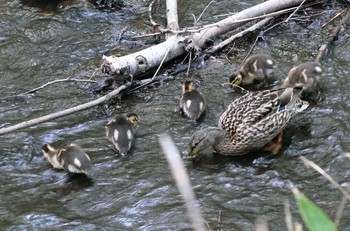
{"x": 69, "y": 111}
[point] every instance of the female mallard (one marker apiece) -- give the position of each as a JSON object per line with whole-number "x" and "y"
{"x": 192, "y": 102}
{"x": 120, "y": 131}
{"x": 256, "y": 67}
{"x": 306, "y": 75}
{"x": 72, "y": 158}
{"x": 249, "y": 122}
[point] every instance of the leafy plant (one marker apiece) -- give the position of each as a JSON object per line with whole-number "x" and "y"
{"x": 314, "y": 218}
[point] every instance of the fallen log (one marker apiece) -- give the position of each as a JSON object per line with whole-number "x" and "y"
{"x": 142, "y": 61}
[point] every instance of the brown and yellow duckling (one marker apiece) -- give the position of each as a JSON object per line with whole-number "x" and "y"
{"x": 306, "y": 75}
{"x": 249, "y": 123}
{"x": 192, "y": 102}
{"x": 72, "y": 159}
{"x": 256, "y": 67}
{"x": 120, "y": 131}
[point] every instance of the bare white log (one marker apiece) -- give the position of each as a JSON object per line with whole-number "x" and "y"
{"x": 171, "y": 14}
{"x": 68, "y": 111}
{"x": 239, "y": 34}
{"x": 235, "y": 20}
{"x": 144, "y": 60}
{"x": 182, "y": 181}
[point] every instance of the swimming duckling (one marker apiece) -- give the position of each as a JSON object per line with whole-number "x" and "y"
{"x": 72, "y": 158}
{"x": 306, "y": 75}
{"x": 192, "y": 102}
{"x": 120, "y": 131}
{"x": 256, "y": 67}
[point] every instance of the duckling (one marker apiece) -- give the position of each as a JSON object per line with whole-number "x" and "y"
{"x": 256, "y": 67}
{"x": 192, "y": 102}
{"x": 306, "y": 75}
{"x": 72, "y": 159}
{"x": 120, "y": 131}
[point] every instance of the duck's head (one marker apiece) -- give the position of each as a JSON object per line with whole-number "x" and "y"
{"x": 133, "y": 118}
{"x": 188, "y": 86}
{"x": 236, "y": 78}
{"x": 48, "y": 151}
{"x": 204, "y": 140}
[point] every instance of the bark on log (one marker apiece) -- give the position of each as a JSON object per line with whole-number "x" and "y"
{"x": 142, "y": 61}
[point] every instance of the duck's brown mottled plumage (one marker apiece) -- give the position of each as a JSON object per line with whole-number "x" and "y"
{"x": 250, "y": 122}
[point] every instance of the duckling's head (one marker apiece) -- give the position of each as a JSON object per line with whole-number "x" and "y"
{"x": 236, "y": 78}
{"x": 51, "y": 155}
{"x": 48, "y": 151}
{"x": 133, "y": 118}
{"x": 188, "y": 86}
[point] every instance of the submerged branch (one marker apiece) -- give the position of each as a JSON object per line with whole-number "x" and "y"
{"x": 333, "y": 36}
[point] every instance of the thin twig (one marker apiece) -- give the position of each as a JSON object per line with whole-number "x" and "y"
{"x": 333, "y": 18}
{"x": 93, "y": 74}
{"x": 121, "y": 34}
{"x": 219, "y": 224}
{"x": 320, "y": 52}
{"x": 199, "y": 29}
{"x": 68, "y": 111}
{"x": 182, "y": 181}
{"x": 56, "y": 81}
{"x": 288, "y": 216}
{"x": 161, "y": 63}
{"x": 309, "y": 163}
{"x": 196, "y": 21}
{"x": 295, "y": 11}
{"x": 189, "y": 64}
{"x": 342, "y": 22}
{"x": 340, "y": 209}
{"x": 150, "y": 9}
{"x": 238, "y": 35}
{"x": 154, "y": 76}
{"x": 333, "y": 37}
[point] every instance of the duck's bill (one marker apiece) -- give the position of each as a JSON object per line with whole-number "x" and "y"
{"x": 193, "y": 155}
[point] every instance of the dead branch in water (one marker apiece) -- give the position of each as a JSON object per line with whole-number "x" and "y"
{"x": 334, "y": 35}
{"x": 68, "y": 111}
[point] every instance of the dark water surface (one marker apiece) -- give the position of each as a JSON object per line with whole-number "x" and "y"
{"x": 137, "y": 192}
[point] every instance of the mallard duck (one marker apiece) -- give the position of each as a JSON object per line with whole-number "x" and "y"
{"x": 72, "y": 158}
{"x": 306, "y": 75}
{"x": 121, "y": 132}
{"x": 256, "y": 67}
{"x": 192, "y": 102}
{"x": 249, "y": 122}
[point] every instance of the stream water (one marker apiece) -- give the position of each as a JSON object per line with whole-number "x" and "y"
{"x": 41, "y": 43}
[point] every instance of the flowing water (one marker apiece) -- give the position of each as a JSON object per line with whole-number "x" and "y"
{"x": 41, "y": 43}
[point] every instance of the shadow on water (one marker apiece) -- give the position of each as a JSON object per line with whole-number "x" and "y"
{"x": 73, "y": 183}
{"x": 51, "y": 6}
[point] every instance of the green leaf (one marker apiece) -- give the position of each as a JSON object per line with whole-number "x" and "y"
{"x": 314, "y": 217}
